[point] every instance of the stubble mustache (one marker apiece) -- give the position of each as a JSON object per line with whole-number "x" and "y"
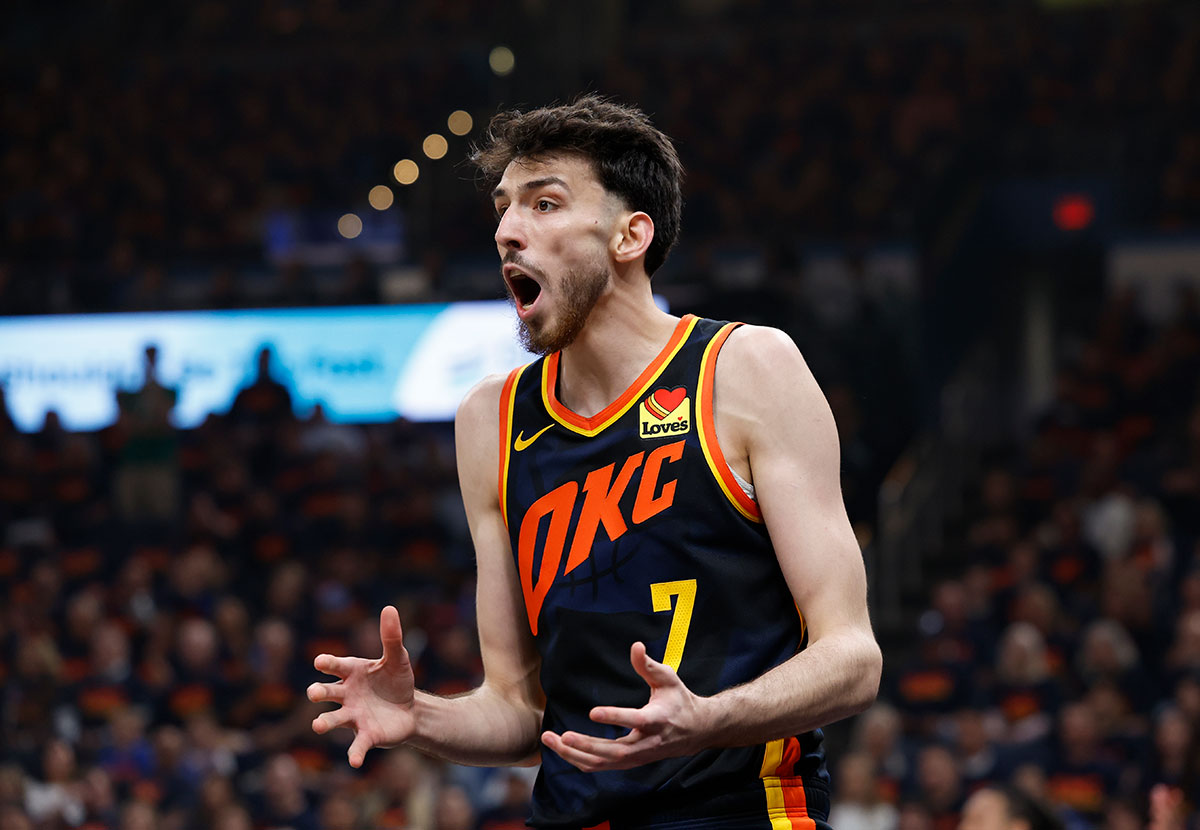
{"x": 514, "y": 258}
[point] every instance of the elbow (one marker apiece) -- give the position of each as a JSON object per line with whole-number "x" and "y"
{"x": 870, "y": 671}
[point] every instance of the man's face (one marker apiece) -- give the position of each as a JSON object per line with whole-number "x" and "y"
{"x": 555, "y": 223}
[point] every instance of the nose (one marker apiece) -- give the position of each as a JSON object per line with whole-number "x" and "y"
{"x": 510, "y": 235}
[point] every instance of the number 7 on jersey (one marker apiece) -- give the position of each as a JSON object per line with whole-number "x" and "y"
{"x": 660, "y": 595}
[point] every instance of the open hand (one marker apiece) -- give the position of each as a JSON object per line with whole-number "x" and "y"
{"x": 376, "y": 696}
{"x": 669, "y": 725}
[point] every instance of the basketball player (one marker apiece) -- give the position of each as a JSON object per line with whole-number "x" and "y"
{"x": 671, "y": 601}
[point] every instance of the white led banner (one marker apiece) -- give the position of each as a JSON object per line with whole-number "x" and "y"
{"x": 361, "y": 364}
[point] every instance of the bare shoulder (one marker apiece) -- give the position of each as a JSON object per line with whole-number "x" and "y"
{"x": 760, "y": 372}
{"x": 477, "y": 436}
{"x": 481, "y": 404}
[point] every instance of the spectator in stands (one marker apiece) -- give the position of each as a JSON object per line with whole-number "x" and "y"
{"x": 233, "y": 817}
{"x": 138, "y": 815}
{"x": 12, "y": 785}
{"x": 265, "y": 402}
{"x": 217, "y": 794}
{"x": 283, "y": 800}
{"x": 339, "y": 812}
{"x": 857, "y": 799}
{"x": 879, "y": 735}
{"x": 1007, "y": 808}
{"x": 13, "y": 818}
{"x": 1035, "y": 603}
{"x": 939, "y": 786}
{"x": 1025, "y": 694}
{"x": 1080, "y": 776}
{"x": 147, "y": 478}
{"x": 1176, "y": 748}
{"x": 1122, "y": 728}
{"x": 513, "y": 806}
{"x": 453, "y": 810}
{"x": 1187, "y": 696}
{"x": 126, "y": 755}
{"x": 401, "y": 792}
{"x": 56, "y": 796}
{"x": 100, "y": 801}
{"x": 979, "y": 759}
{"x": 1184, "y": 655}
{"x": 1108, "y": 653}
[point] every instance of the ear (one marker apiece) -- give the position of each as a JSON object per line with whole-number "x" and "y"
{"x": 633, "y": 237}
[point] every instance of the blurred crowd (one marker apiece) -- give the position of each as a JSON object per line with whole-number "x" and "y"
{"x": 147, "y": 146}
{"x": 1064, "y": 653}
{"x": 165, "y": 592}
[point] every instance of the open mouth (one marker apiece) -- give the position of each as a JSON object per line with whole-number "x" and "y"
{"x": 525, "y": 290}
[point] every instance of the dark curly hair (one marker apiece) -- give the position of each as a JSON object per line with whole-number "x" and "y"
{"x": 631, "y": 158}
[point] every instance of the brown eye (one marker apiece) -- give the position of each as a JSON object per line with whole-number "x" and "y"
{"x": 544, "y": 205}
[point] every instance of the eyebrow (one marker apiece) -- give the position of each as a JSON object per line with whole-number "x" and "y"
{"x": 499, "y": 192}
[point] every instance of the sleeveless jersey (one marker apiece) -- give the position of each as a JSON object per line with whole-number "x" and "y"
{"x": 630, "y": 526}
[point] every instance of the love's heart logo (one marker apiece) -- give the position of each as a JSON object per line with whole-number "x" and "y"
{"x": 664, "y": 401}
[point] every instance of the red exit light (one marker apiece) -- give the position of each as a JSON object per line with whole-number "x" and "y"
{"x": 1074, "y": 212}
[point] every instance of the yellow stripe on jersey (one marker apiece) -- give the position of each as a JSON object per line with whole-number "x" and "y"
{"x": 508, "y": 397}
{"x": 776, "y": 805}
{"x": 772, "y": 758}
{"x": 776, "y": 808}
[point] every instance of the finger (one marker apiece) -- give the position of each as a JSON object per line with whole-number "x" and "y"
{"x": 626, "y": 751}
{"x": 337, "y": 666}
{"x": 391, "y": 633}
{"x": 333, "y": 692}
{"x": 581, "y": 759}
{"x": 620, "y": 716}
{"x": 327, "y": 721}
{"x": 357, "y": 752}
{"x": 653, "y": 672}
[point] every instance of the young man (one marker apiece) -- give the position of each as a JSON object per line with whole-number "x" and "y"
{"x": 671, "y": 600}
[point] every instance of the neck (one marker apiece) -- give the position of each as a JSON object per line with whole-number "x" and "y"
{"x": 624, "y": 332}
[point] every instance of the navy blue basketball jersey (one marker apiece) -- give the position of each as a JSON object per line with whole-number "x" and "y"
{"x": 630, "y": 526}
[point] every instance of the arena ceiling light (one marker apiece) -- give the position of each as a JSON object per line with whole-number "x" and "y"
{"x": 406, "y": 171}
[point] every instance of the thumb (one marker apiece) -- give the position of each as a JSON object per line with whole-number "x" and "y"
{"x": 391, "y": 634}
{"x": 653, "y": 672}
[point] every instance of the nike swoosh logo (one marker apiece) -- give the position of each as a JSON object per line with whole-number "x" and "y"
{"x": 523, "y": 443}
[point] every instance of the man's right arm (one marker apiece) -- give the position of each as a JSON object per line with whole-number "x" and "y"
{"x": 497, "y": 723}
{"x": 500, "y": 722}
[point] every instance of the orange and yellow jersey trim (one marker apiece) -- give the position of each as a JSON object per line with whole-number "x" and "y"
{"x": 506, "y": 436}
{"x": 787, "y": 803}
{"x": 590, "y": 427}
{"x": 705, "y": 412}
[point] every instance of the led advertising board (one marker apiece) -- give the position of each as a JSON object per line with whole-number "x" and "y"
{"x": 362, "y": 364}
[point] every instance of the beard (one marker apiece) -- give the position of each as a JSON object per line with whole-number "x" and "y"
{"x": 580, "y": 290}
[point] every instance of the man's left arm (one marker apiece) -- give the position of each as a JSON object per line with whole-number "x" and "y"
{"x": 770, "y": 411}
